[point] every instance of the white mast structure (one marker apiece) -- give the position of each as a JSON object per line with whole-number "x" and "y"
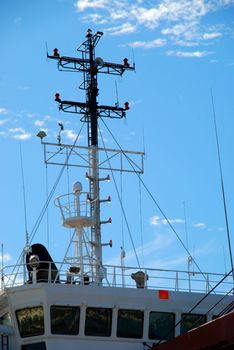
{"x": 83, "y": 212}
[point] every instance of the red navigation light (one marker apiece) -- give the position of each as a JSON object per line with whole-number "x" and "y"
{"x": 57, "y": 97}
{"x": 163, "y": 294}
{"x": 125, "y": 62}
{"x": 110, "y": 243}
{"x": 126, "y": 106}
{"x": 56, "y": 53}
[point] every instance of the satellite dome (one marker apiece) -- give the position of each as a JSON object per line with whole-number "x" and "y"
{"x": 77, "y": 187}
{"x": 99, "y": 61}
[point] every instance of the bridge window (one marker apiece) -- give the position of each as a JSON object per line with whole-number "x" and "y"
{"x": 64, "y": 319}
{"x": 30, "y": 321}
{"x": 98, "y": 322}
{"x": 161, "y": 325}
{"x": 190, "y": 321}
{"x": 34, "y": 346}
{"x": 130, "y": 323}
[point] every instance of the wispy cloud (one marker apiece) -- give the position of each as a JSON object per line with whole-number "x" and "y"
{"x": 148, "y": 44}
{"x": 70, "y": 134}
{"x": 6, "y": 257}
{"x": 160, "y": 241}
{"x": 156, "y": 220}
{"x": 189, "y": 54}
{"x": 200, "y": 225}
{"x": 180, "y": 21}
{"x": 208, "y": 36}
{"x": 20, "y": 134}
{"x": 3, "y": 111}
{"x": 83, "y": 5}
{"x": 39, "y": 123}
{"x": 4, "y": 121}
{"x": 125, "y": 28}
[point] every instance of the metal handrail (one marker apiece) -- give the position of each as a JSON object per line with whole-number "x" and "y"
{"x": 177, "y": 280}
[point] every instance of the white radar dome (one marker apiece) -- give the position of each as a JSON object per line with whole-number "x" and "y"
{"x": 77, "y": 187}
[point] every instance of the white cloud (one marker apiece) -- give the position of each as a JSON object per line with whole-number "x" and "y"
{"x": 3, "y": 111}
{"x": 208, "y": 36}
{"x": 155, "y": 220}
{"x": 6, "y": 257}
{"x": 94, "y": 18}
{"x": 83, "y": 5}
{"x": 189, "y": 54}
{"x": 24, "y": 136}
{"x": 160, "y": 241}
{"x": 3, "y": 121}
{"x": 148, "y": 44}
{"x": 125, "y": 28}
{"x": 172, "y": 221}
{"x": 20, "y": 134}
{"x": 186, "y": 43}
{"x": 70, "y": 134}
{"x": 39, "y": 123}
{"x": 200, "y": 225}
{"x": 180, "y": 20}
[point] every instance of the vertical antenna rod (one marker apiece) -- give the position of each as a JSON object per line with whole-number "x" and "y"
{"x": 222, "y": 184}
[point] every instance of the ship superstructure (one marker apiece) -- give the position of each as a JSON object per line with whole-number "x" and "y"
{"x": 81, "y": 302}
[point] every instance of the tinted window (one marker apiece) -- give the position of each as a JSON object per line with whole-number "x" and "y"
{"x": 64, "y": 319}
{"x": 30, "y": 321}
{"x": 98, "y": 322}
{"x": 34, "y": 346}
{"x": 161, "y": 325}
{"x": 190, "y": 321}
{"x": 130, "y": 324}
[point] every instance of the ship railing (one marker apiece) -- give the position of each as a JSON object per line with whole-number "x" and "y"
{"x": 117, "y": 276}
{"x": 71, "y": 205}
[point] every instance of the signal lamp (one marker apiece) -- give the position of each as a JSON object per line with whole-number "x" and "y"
{"x": 57, "y": 97}
{"x": 125, "y": 62}
{"x": 110, "y": 243}
{"x": 126, "y": 106}
{"x": 56, "y": 53}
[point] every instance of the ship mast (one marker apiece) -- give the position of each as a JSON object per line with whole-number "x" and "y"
{"x": 90, "y": 111}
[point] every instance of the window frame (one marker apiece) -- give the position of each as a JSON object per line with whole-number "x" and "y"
{"x": 131, "y": 336}
{"x": 166, "y": 332}
{"x": 23, "y": 333}
{"x": 109, "y": 322}
{"x": 76, "y": 321}
{"x": 197, "y": 324}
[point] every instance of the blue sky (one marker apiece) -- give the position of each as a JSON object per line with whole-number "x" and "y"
{"x": 182, "y": 49}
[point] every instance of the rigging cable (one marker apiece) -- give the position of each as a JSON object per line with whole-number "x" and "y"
{"x": 34, "y": 230}
{"x": 42, "y": 213}
{"x": 141, "y": 225}
{"x": 155, "y": 202}
{"x": 198, "y": 303}
{"x": 47, "y": 211}
{"x": 222, "y": 184}
{"x": 24, "y": 197}
{"x": 121, "y": 196}
{"x": 121, "y": 204}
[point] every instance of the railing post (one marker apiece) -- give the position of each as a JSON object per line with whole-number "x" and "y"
{"x": 207, "y": 283}
{"x": 177, "y": 282}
